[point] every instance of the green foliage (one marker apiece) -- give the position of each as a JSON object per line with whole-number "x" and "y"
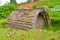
{"x": 29, "y": 0}
{"x": 50, "y": 3}
{"x": 13, "y": 1}
{"x": 6, "y": 10}
{"x": 28, "y": 14}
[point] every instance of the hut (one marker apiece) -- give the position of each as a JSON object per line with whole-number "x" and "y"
{"x": 28, "y": 19}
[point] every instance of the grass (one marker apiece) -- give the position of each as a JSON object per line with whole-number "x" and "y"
{"x": 3, "y": 20}
{"x": 12, "y": 34}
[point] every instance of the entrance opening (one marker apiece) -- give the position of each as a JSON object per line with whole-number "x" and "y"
{"x": 39, "y": 21}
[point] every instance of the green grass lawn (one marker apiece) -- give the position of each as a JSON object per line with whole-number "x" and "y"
{"x": 12, "y": 34}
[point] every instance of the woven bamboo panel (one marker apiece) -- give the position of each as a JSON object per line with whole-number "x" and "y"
{"x": 27, "y": 19}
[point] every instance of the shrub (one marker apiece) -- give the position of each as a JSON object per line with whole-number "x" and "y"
{"x": 6, "y": 10}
